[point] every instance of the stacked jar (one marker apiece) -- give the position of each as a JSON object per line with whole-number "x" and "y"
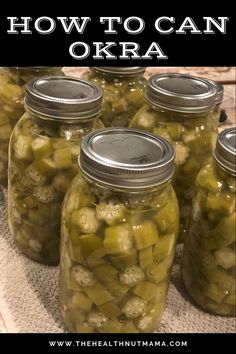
{"x": 179, "y": 108}
{"x": 44, "y": 150}
{"x": 209, "y": 257}
{"x": 119, "y": 231}
{"x": 12, "y": 91}
{"x": 123, "y": 92}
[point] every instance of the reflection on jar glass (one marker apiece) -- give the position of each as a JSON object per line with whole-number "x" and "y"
{"x": 209, "y": 257}
{"x": 218, "y": 100}
{"x": 119, "y": 230}
{"x": 44, "y": 150}
{"x": 179, "y": 108}
{"x": 123, "y": 92}
{"x": 12, "y": 90}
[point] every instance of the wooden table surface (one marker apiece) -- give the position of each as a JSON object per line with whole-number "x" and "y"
{"x": 224, "y": 75}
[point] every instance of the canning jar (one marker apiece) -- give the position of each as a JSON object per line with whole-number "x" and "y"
{"x": 180, "y": 109}
{"x": 119, "y": 228}
{"x": 12, "y": 90}
{"x": 123, "y": 92}
{"x": 44, "y": 150}
{"x": 209, "y": 257}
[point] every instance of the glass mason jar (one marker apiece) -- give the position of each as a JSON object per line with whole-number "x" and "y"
{"x": 43, "y": 160}
{"x": 12, "y": 90}
{"x": 123, "y": 92}
{"x": 209, "y": 257}
{"x": 119, "y": 228}
{"x": 179, "y": 108}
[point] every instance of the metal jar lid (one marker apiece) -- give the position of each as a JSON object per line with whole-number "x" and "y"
{"x": 225, "y": 151}
{"x": 180, "y": 93}
{"x": 63, "y": 97}
{"x": 219, "y": 91}
{"x": 120, "y": 70}
{"x": 37, "y": 68}
{"x": 126, "y": 158}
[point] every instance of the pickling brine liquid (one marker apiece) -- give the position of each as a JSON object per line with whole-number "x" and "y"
{"x": 123, "y": 93}
{"x": 117, "y": 252}
{"x": 209, "y": 258}
{"x": 12, "y": 93}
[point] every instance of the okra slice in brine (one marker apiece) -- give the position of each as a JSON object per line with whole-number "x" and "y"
{"x": 146, "y": 257}
{"x": 146, "y": 290}
{"x": 118, "y": 239}
{"x": 122, "y": 261}
{"x": 98, "y": 294}
{"x": 145, "y": 234}
{"x": 90, "y": 243}
{"x": 85, "y": 219}
{"x": 81, "y": 301}
{"x": 133, "y": 307}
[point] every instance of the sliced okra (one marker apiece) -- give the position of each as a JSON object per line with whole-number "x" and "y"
{"x": 86, "y": 220}
{"x": 98, "y": 294}
{"x": 116, "y": 288}
{"x": 83, "y": 276}
{"x": 166, "y": 219}
{"x": 105, "y": 272}
{"x": 41, "y": 147}
{"x": 214, "y": 293}
{"x": 90, "y": 243}
{"x": 22, "y": 148}
{"x": 97, "y": 319}
{"x": 146, "y": 257}
{"x": 125, "y": 260}
{"x": 111, "y": 211}
{"x": 81, "y": 301}
{"x": 63, "y": 158}
{"x": 110, "y": 310}
{"x": 145, "y": 234}
{"x": 113, "y": 326}
{"x": 164, "y": 247}
{"x": 118, "y": 239}
{"x": 133, "y": 307}
{"x": 146, "y": 290}
{"x": 225, "y": 257}
{"x": 131, "y": 276}
{"x": 159, "y": 272}
{"x": 150, "y": 320}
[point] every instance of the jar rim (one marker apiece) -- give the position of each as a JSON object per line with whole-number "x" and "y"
{"x": 126, "y": 157}
{"x": 225, "y": 150}
{"x": 120, "y": 70}
{"x": 180, "y": 93}
{"x": 63, "y": 97}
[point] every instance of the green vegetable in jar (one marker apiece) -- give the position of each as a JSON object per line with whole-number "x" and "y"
{"x": 12, "y": 92}
{"x": 174, "y": 110}
{"x": 42, "y": 165}
{"x": 123, "y": 92}
{"x": 209, "y": 258}
{"x": 118, "y": 254}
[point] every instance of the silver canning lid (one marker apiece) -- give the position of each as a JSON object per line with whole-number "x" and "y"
{"x": 225, "y": 151}
{"x": 180, "y": 93}
{"x": 126, "y": 158}
{"x": 120, "y": 70}
{"x": 219, "y": 91}
{"x": 63, "y": 97}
